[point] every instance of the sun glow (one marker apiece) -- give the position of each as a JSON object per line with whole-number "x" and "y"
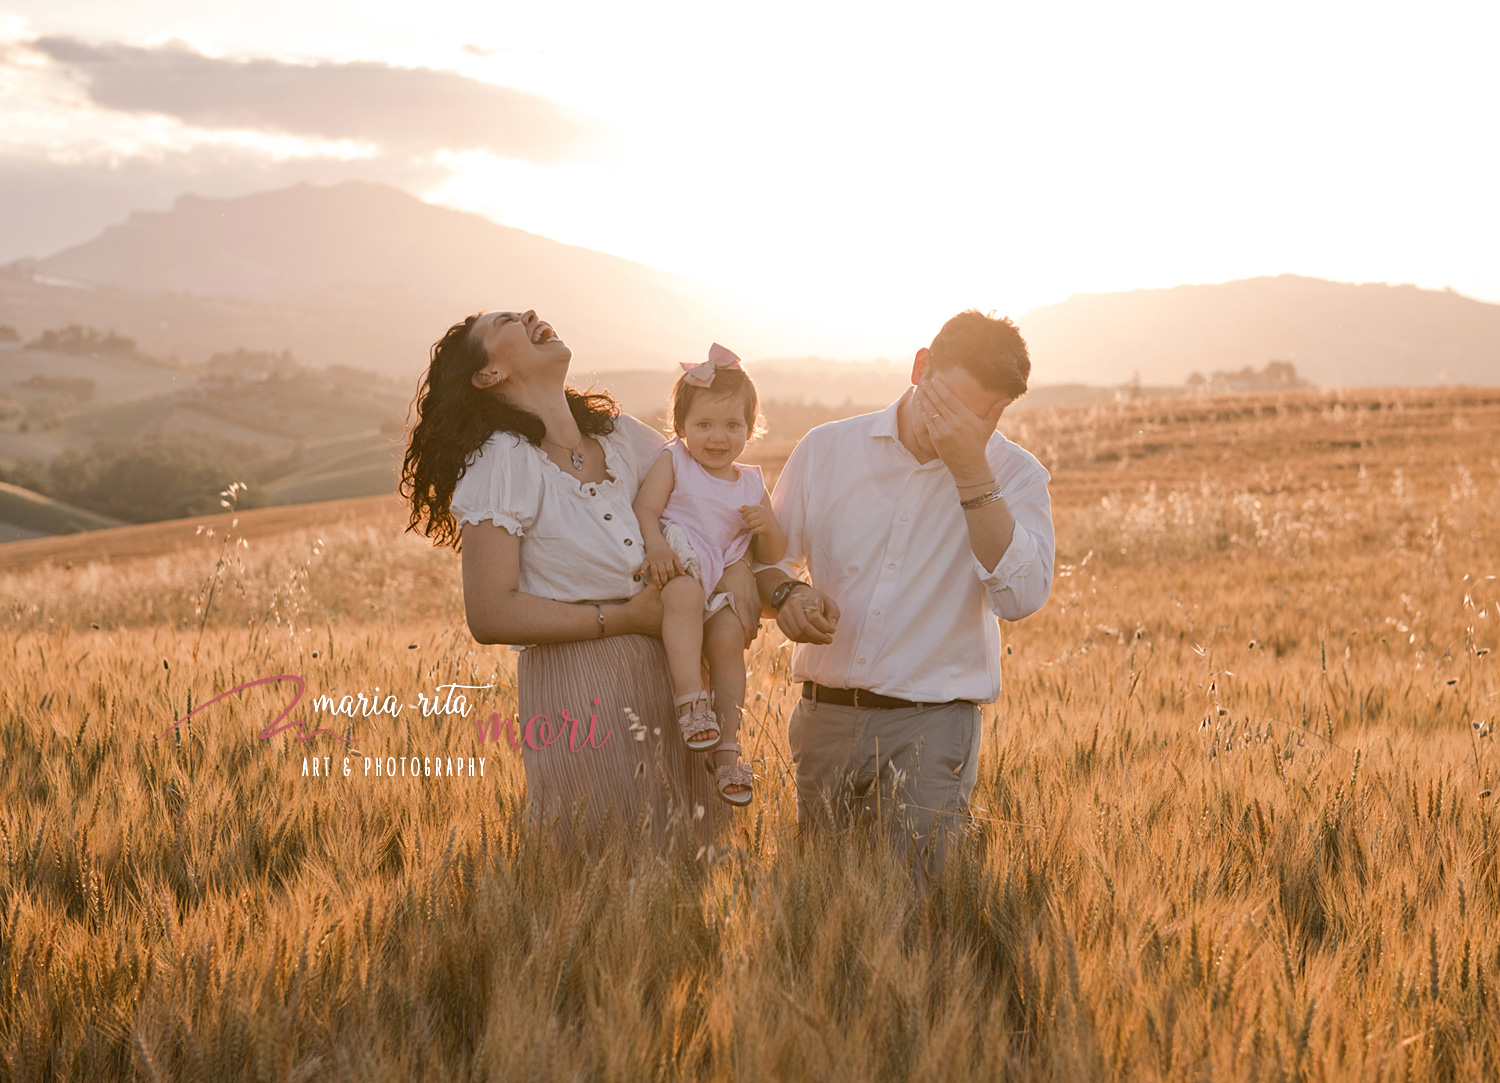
{"x": 880, "y": 169}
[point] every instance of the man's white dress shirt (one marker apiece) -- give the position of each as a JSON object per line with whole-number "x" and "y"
{"x": 884, "y": 536}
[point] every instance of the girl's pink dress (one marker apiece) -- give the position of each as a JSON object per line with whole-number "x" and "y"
{"x": 702, "y": 520}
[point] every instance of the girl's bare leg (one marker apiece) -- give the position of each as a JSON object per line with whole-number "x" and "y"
{"x": 724, "y": 646}
{"x": 682, "y": 635}
{"x": 739, "y": 581}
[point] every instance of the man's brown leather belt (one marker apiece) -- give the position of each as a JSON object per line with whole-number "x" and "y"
{"x": 858, "y": 697}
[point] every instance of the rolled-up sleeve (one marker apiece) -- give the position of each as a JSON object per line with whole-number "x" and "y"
{"x": 789, "y": 505}
{"x": 1022, "y": 579}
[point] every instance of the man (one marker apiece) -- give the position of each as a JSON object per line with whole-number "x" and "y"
{"x": 919, "y": 526}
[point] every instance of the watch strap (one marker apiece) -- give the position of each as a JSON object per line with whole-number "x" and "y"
{"x": 782, "y": 593}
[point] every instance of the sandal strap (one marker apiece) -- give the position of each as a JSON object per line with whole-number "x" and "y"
{"x": 697, "y": 722}
{"x": 734, "y": 774}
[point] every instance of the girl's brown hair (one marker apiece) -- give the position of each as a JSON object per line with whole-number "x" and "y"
{"x": 728, "y": 383}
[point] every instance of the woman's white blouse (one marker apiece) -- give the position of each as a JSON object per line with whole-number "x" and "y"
{"x": 580, "y": 541}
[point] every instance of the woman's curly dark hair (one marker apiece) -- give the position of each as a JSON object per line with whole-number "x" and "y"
{"x": 454, "y": 419}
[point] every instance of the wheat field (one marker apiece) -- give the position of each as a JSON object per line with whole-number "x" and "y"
{"x": 1233, "y": 818}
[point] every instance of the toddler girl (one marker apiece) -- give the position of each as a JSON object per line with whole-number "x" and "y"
{"x": 701, "y": 515}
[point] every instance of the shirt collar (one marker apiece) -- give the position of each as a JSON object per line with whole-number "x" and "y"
{"x": 885, "y": 421}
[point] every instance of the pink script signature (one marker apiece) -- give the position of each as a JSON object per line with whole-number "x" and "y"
{"x": 276, "y": 726}
{"x": 538, "y": 733}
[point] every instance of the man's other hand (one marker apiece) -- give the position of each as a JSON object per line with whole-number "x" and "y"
{"x": 808, "y": 616}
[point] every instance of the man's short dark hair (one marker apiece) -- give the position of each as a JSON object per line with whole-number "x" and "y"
{"x": 991, "y": 349}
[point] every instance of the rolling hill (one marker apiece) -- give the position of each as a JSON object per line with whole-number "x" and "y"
{"x": 25, "y": 514}
{"x": 144, "y": 540}
{"x": 366, "y": 275}
{"x": 1336, "y": 333}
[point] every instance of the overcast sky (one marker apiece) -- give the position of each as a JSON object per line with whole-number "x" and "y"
{"x": 867, "y": 165}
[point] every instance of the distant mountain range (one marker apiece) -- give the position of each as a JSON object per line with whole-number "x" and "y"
{"x": 1337, "y": 334}
{"x": 365, "y": 275}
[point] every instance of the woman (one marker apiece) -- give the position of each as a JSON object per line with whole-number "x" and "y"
{"x": 533, "y": 481}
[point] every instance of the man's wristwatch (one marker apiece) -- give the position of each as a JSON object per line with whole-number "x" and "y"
{"x": 783, "y": 592}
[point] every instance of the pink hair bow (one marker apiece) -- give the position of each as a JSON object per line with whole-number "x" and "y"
{"x": 718, "y": 358}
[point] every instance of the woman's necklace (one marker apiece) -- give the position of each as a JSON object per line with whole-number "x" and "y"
{"x": 574, "y": 452}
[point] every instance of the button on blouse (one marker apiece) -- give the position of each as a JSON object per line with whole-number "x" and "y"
{"x": 580, "y": 541}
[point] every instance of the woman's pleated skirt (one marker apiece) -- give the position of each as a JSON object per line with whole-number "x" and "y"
{"x": 589, "y": 766}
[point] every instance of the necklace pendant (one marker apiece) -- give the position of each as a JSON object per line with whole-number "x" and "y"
{"x": 577, "y": 460}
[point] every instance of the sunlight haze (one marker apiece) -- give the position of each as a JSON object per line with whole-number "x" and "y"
{"x": 861, "y": 166}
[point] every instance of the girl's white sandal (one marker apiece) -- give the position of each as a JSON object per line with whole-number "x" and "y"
{"x": 732, "y": 774}
{"x": 699, "y": 720}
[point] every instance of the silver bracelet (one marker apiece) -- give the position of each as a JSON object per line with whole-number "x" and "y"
{"x": 982, "y": 499}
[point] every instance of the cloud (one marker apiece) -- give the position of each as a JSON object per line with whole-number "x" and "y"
{"x": 404, "y": 110}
